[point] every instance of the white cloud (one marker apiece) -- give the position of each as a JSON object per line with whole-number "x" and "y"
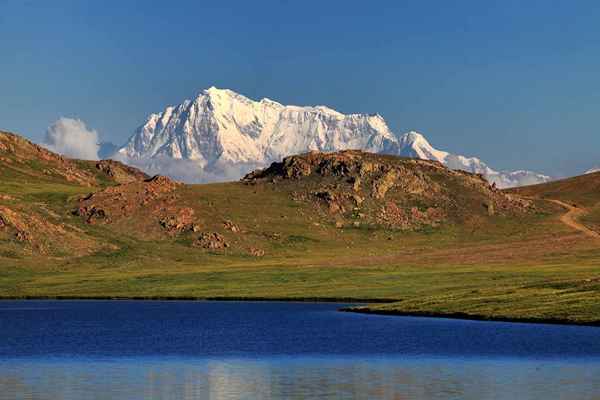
{"x": 188, "y": 171}
{"x": 72, "y": 138}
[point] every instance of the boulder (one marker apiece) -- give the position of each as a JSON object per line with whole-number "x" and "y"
{"x": 230, "y": 226}
{"x": 212, "y": 241}
{"x": 256, "y": 252}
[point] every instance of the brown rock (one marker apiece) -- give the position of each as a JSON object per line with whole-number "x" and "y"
{"x": 23, "y": 236}
{"x": 212, "y": 241}
{"x": 272, "y": 235}
{"x": 92, "y": 214}
{"x": 392, "y": 215}
{"x": 334, "y": 202}
{"x": 385, "y": 183}
{"x": 255, "y": 252}
{"x": 160, "y": 180}
{"x": 182, "y": 221}
{"x": 120, "y": 172}
{"x": 195, "y": 228}
{"x": 367, "y": 168}
{"x": 230, "y": 226}
{"x": 357, "y": 199}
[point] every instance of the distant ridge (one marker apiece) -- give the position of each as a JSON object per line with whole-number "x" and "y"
{"x": 222, "y": 135}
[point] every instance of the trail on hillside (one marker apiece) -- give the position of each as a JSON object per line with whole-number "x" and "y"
{"x": 571, "y": 216}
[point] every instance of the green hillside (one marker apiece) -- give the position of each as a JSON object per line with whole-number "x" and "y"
{"x": 347, "y": 225}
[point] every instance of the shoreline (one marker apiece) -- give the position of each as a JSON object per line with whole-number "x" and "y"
{"x": 211, "y": 298}
{"x": 471, "y": 317}
{"x": 352, "y": 309}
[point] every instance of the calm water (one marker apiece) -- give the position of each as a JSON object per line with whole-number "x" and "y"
{"x": 231, "y": 350}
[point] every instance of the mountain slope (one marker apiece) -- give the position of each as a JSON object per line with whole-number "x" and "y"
{"x": 580, "y": 194}
{"x": 222, "y": 135}
{"x": 51, "y": 203}
{"x": 583, "y": 190}
{"x": 35, "y": 185}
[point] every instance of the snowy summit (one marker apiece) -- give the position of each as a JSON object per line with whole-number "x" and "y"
{"x": 222, "y": 135}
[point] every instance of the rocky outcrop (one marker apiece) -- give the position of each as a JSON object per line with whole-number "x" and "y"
{"x": 256, "y": 252}
{"x": 386, "y": 190}
{"x": 394, "y": 216}
{"x": 40, "y": 231}
{"x": 211, "y": 241}
{"x": 181, "y": 221}
{"x": 230, "y": 226}
{"x": 120, "y": 172}
{"x": 153, "y": 195}
{"x": 385, "y": 183}
{"x": 92, "y": 214}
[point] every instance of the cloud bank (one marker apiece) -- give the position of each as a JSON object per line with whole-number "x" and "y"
{"x": 188, "y": 171}
{"x": 72, "y": 138}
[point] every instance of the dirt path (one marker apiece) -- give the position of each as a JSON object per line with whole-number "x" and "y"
{"x": 571, "y": 216}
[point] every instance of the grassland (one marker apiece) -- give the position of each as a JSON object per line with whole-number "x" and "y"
{"x": 508, "y": 269}
{"x": 532, "y": 268}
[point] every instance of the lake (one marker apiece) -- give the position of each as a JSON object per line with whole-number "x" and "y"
{"x": 278, "y": 350}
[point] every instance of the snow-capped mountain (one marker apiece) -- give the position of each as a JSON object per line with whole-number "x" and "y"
{"x": 414, "y": 144}
{"x": 221, "y": 126}
{"x": 222, "y": 135}
{"x": 592, "y": 170}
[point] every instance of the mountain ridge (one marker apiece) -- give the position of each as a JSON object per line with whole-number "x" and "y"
{"x": 225, "y": 135}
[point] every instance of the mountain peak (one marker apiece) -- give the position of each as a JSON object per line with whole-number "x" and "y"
{"x": 216, "y": 93}
{"x": 415, "y": 137}
{"x": 266, "y": 100}
{"x": 215, "y": 90}
{"x": 414, "y": 144}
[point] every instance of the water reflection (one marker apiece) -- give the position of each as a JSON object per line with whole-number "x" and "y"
{"x": 194, "y": 350}
{"x": 298, "y": 378}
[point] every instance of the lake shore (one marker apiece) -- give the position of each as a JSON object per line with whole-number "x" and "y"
{"x": 470, "y": 317}
{"x": 358, "y": 308}
{"x": 211, "y": 298}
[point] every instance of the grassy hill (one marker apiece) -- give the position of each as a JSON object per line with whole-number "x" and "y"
{"x": 582, "y": 192}
{"x": 348, "y": 225}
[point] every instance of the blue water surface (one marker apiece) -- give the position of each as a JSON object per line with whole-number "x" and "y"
{"x": 181, "y": 349}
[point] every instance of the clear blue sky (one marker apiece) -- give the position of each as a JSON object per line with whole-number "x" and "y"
{"x": 514, "y": 82}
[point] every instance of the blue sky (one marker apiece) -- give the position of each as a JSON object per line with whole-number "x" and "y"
{"x": 513, "y": 82}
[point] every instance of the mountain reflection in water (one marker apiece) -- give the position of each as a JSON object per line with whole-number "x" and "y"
{"x": 78, "y": 350}
{"x": 283, "y": 378}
